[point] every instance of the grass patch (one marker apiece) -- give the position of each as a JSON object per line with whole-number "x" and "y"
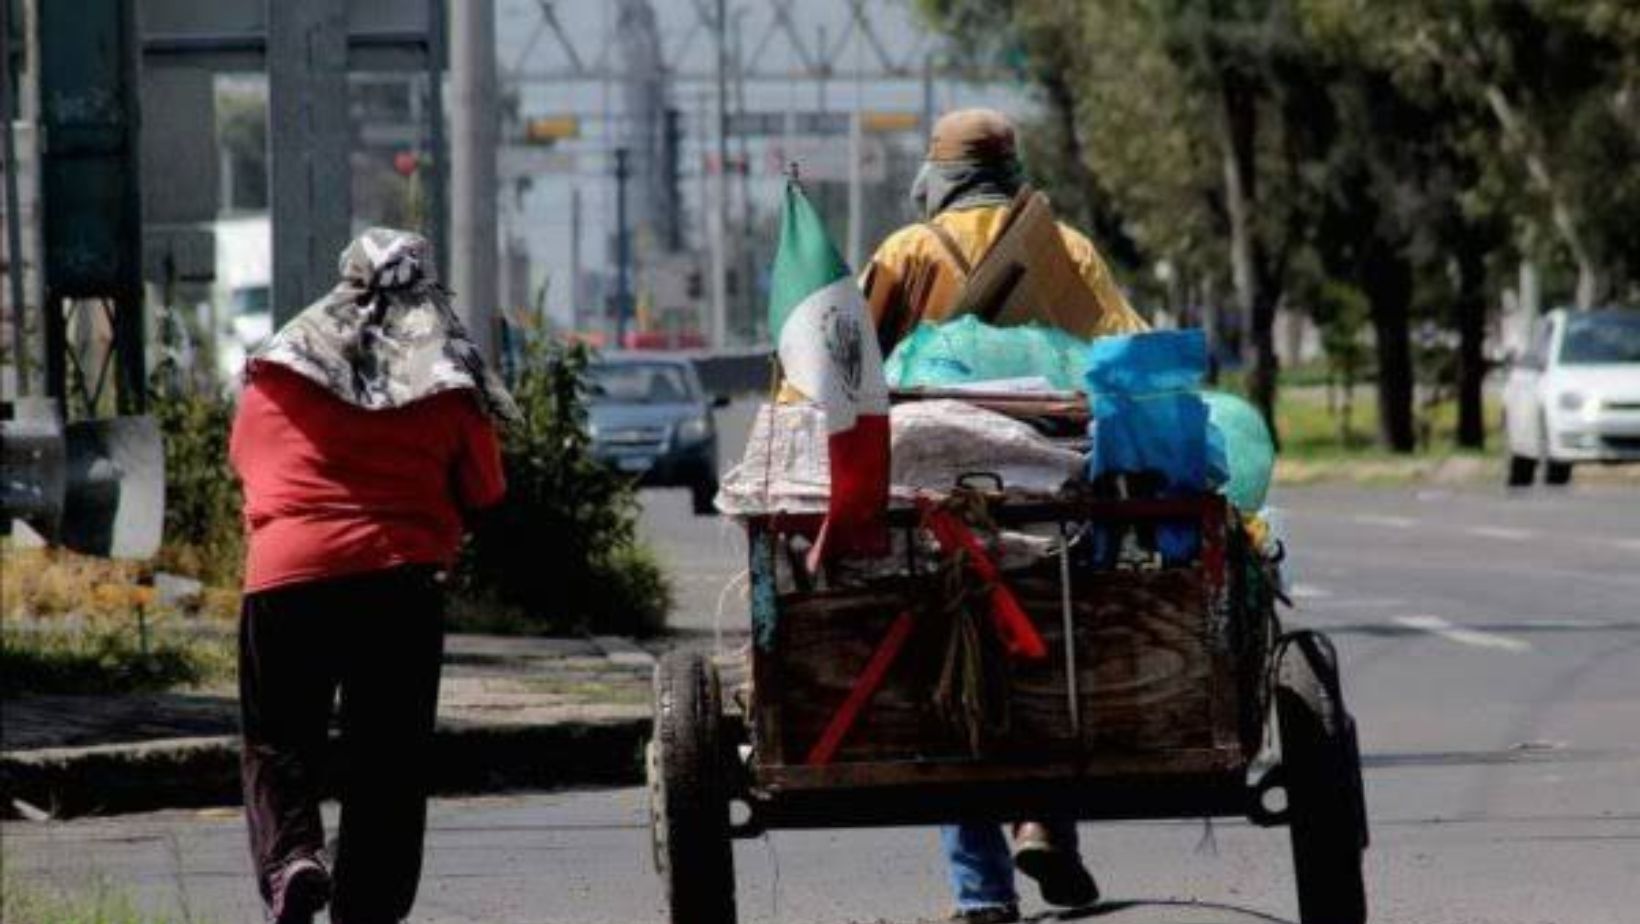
{"x": 1310, "y": 429}
{"x": 77, "y": 624}
{"x": 95, "y": 903}
{"x": 73, "y": 655}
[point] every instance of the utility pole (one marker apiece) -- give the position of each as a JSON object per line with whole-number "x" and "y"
{"x": 310, "y": 194}
{"x": 436, "y": 211}
{"x": 14, "y": 218}
{"x": 748, "y": 269}
{"x": 623, "y": 252}
{"x": 856, "y": 192}
{"x": 928, "y": 94}
{"x": 719, "y": 227}
{"x": 474, "y": 125}
{"x": 575, "y": 293}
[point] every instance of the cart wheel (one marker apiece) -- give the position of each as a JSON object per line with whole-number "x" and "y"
{"x": 689, "y": 805}
{"x": 1326, "y": 806}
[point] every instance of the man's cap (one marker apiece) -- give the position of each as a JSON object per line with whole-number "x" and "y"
{"x": 984, "y": 135}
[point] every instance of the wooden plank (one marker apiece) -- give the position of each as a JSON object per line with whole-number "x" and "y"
{"x": 1094, "y": 767}
{"x": 1145, "y": 672}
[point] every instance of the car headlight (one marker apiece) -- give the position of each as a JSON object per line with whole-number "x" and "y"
{"x": 694, "y": 430}
{"x": 1571, "y": 400}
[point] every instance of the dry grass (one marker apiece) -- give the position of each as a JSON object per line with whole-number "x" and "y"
{"x": 48, "y": 583}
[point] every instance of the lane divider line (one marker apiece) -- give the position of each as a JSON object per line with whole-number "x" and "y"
{"x": 1435, "y": 625}
{"x": 1508, "y": 533}
{"x": 1374, "y": 519}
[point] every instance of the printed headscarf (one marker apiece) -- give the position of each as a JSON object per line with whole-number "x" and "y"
{"x": 386, "y": 336}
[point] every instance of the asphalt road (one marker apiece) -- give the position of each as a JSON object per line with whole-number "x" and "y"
{"x": 1491, "y": 648}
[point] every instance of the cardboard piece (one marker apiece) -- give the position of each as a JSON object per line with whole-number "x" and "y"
{"x": 1028, "y": 275}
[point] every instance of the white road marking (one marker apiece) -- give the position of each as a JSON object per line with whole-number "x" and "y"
{"x": 1508, "y": 533}
{"x": 1633, "y": 545}
{"x": 1310, "y": 592}
{"x": 1373, "y": 519}
{"x": 1435, "y": 625}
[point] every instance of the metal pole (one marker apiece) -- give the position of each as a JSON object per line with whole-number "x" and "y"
{"x": 720, "y": 187}
{"x": 748, "y": 269}
{"x": 575, "y": 319}
{"x": 14, "y": 220}
{"x": 473, "y": 190}
{"x": 856, "y": 193}
{"x": 928, "y": 94}
{"x": 436, "y": 210}
{"x": 311, "y": 187}
{"x": 1067, "y": 613}
{"x": 623, "y": 251}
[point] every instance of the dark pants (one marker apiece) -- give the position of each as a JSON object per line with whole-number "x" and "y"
{"x": 378, "y": 638}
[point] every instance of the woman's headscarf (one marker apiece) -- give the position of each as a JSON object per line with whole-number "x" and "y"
{"x": 386, "y": 336}
{"x": 972, "y": 162}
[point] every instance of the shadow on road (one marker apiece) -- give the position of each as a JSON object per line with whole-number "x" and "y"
{"x": 1104, "y": 910}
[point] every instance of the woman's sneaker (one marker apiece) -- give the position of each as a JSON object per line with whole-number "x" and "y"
{"x": 300, "y": 890}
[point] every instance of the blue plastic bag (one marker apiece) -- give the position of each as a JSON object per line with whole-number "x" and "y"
{"x": 1149, "y": 416}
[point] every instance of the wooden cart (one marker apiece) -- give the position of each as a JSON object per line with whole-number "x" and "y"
{"x": 1177, "y": 697}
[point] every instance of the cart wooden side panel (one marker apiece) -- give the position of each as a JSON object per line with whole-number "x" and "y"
{"x": 1145, "y": 669}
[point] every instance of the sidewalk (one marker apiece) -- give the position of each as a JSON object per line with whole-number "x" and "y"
{"x": 513, "y": 713}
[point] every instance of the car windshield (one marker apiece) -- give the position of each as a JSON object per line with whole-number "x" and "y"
{"x": 1605, "y": 337}
{"x": 638, "y": 383}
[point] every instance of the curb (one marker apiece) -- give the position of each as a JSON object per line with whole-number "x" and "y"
{"x": 201, "y": 772}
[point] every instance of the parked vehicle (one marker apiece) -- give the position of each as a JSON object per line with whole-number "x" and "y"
{"x": 1573, "y": 396}
{"x": 651, "y": 418}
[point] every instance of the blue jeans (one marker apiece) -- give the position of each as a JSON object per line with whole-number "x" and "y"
{"x": 981, "y": 864}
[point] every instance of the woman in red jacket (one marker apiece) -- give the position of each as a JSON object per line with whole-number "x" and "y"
{"x": 365, "y": 433}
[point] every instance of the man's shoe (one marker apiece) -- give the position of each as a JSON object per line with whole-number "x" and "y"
{"x": 992, "y": 914}
{"x": 300, "y": 890}
{"x": 1058, "y": 872}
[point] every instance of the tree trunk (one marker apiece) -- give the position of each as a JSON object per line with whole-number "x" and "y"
{"x": 1256, "y": 292}
{"x": 1387, "y": 281}
{"x": 1087, "y": 201}
{"x": 1471, "y": 309}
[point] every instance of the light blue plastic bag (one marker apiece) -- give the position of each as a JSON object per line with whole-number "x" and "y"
{"x": 967, "y": 350}
{"x": 1249, "y": 452}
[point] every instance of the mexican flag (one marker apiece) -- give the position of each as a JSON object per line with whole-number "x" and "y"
{"x": 828, "y": 351}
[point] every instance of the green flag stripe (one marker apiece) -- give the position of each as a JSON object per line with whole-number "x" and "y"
{"x": 805, "y": 262}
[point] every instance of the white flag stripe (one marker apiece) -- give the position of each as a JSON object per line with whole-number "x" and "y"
{"x": 828, "y": 350}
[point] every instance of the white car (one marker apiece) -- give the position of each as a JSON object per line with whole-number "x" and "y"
{"x": 1574, "y": 395}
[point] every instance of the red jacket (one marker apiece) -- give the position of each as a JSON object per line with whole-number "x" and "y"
{"x": 332, "y": 489}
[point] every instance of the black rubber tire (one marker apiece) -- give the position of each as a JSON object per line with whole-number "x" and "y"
{"x": 701, "y": 494}
{"x": 1557, "y": 473}
{"x": 1522, "y": 471}
{"x": 689, "y": 804}
{"x": 1326, "y": 810}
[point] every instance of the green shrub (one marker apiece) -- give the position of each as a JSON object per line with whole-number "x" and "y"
{"x": 561, "y": 553}
{"x": 74, "y": 656}
{"x": 204, "y": 532}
